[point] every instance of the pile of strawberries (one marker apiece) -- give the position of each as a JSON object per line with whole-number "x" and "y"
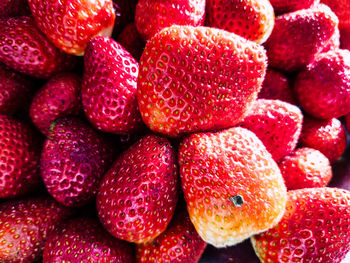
{"x": 141, "y": 131}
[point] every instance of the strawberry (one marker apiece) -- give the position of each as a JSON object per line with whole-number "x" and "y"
{"x": 73, "y": 160}
{"x": 152, "y": 16}
{"x": 109, "y": 87}
{"x": 19, "y": 158}
{"x": 298, "y": 36}
{"x": 70, "y": 24}
{"x": 345, "y": 37}
{"x": 138, "y": 195}
{"x": 58, "y": 98}
{"x": 327, "y": 136}
{"x": 323, "y": 88}
{"x": 26, "y": 49}
{"x": 84, "y": 240}
{"x": 179, "y": 243}
{"x": 314, "y": 228}
{"x": 14, "y": 8}
{"x": 305, "y": 168}
{"x": 285, "y": 6}
{"x": 198, "y": 79}
{"x": 277, "y": 124}
{"x": 24, "y": 225}
{"x": 251, "y": 19}
{"x": 132, "y": 41}
{"x": 342, "y": 9}
{"x": 232, "y": 186}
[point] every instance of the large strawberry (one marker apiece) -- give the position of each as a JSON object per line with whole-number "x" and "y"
{"x": 314, "y": 228}
{"x": 232, "y": 186}
{"x": 14, "y": 8}
{"x": 70, "y": 24}
{"x": 285, "y": 6}
{"x": 342, "y": 9}
{"x": 138, "y": 195}
{"x": 198, "y": 79}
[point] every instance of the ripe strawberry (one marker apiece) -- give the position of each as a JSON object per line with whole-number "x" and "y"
{"x": 59, "y": 97}
{"x": 84, "y": 240}
{"x": 345, "y": 37}
{"x": 19, "y": 158}
{"x": 26, "y": 49}
{"x": 251, "y": 19}
{"x": 152, "y": 16}
{"x": 198, "y": 79}
{"x": 132, "y": 41}
{"x": 342, "y": 9}
{"x": 323, "y": 88}
{"x": 179, "y": 243}
{"x": 298, "y": 36}
{"x": 24, "y": 225}
{"x": 138, "y": 195}
{"x": 109, "y": 87}
{"x": 285, "y": 6}
{"x": 73, "y": 160}
{"x": 327, "y": 136}
{"x": 70, "y": 24}
{"x": 14, "y": 8}
{"x": 232, "y": 186}
{"x": 277, "y": 124}
{"x": 314, "y": 228}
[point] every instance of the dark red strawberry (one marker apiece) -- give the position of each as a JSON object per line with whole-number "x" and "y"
{"x": 14, "y": 8}
{"x": 277, "y": 124}
{"x": 84, "y": 240}
{"x": 124, "y": 15}
{"x": 314, "y": 228}
{"x": 59, "y": 97}
{"x": 109, "y": 87}
{"x": 24, "y": 225}
{"x": 132, "y": 41}
{"x": 342, "y": 9}
{"x": 138, "y": 195}
{"x": 73, "y": 160}
{"x": 70, "y": 24}
{"x": 285, "y": 6}
{"x": 198, "y": 79}
{"x": 345, "y": 37}
{"x": 152, "y": 16}
{"x": 323, "y": 88}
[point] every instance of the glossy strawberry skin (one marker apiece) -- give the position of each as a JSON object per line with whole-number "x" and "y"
{"x": 314, "y": 228}
{"x": 132, "y": 41}
{"x": 73, "y": 161}
{"x": 342, "y": 9}
{"x": 285, "y": 6}
{"x": 9, "y": 8}
{"x": 138, "y": 195}
{"x": 84, "y": 240}
{"x": 70, "y": 24}
{"x": 198, "y": 79}
{"x": 109, "y": 92}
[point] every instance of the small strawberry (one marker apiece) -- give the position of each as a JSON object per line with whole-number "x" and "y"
{"x": 109, "y": 87}
{"x": 138, "y": 195}
{"x": 285, "y": 6}
{"x": 84, "y": 240}
{"x": 70, "y": 24}
{"x": 342, "y": 9}
{"x": 251, "y": 19}
{"x": 152, "y": 16}
{"x": 277, "y": 124}
{"x": 24, "y": 225}
{"x": 327, "y": 136}
{"x": 73, "y": 160}
{"x": 58, "y": 98}
{"x": 26, "y": 49}
{"x": 345, "y": 37}
{"x": 323, "y": 88}
{"x": 132, "y": 41}
{"x": 314, "y": 228}
{"x": 232, "y": 186}
{"x": 198, "y": 79}
{"x": 10, "y": 8}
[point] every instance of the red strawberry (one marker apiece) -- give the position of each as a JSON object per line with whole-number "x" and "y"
{"x": 179, "y": 243}
{"x": 73, "y": 160}
{"x": 132, "y": 41}
{"x": 327, "y": 136}
{"x": 19, "y": 158}
{"x": 24, "y": 225}
{"x": 342, "y": 9}
{"x": 60, "y": 97}
{"x": 345, "y": 37}
{"x": 277, "y": 124}
{"x": 138, "y": 195}
{"x": 314, "y": 228}
{"x": 70, "y": 24}
{"x": 305, "y": 168}
{"x": 285, "y": 6}
{"x": 14, "y": 8}
{"x": 251, "y": 19}
{"x": 84, "y": 240}
{"x": 198, "y": 79}
{"x": 323, "y": 88}
{"x": 109, "y": 87}
{"x": 26, "y": 49}
{"x": 232, "y": 186}
{"x": 152, "y": 16}
{"x": 124, "y": 15}
{"x": 298, "y": 36}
